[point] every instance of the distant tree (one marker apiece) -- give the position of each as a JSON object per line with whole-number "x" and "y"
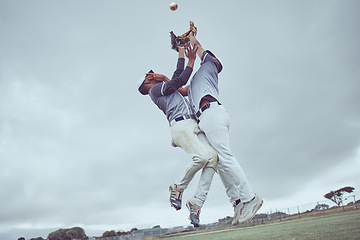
{"x": 38, "y": 238}
{"x": 337, "y": 196}
{"x": 133, "y": 230}
{"x": 119, "y": 233}
{"x": 190, "y": 228}
{"x": 156, "y": 226}
{"x": 68, "y": 234}
{"x": 111, "y": 233}
{"x": 77, "y": 233}
{"x": 21, "y": 238}
{"x": 201, "y": 227}
{"x": 321, "y": 207}
{"x": 59, "y": 234}
{"x": 261, "y": 216}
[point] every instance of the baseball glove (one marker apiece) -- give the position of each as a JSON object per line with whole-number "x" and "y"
{"x": 177, "y": 41}
{"x": 182, "y": 40}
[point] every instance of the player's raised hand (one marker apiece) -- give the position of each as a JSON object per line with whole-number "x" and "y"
{"x": 190, "y": 52}
{"x": 157, "y": 77}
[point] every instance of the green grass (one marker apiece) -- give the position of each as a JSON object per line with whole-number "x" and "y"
{"x": 344, "y": 226}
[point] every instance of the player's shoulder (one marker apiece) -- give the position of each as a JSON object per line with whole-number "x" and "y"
{"x": 208, "y": 58}
{"x": 157, "y": 89}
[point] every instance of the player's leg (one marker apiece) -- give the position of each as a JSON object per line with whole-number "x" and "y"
{"x": 184, "y": 136}
{"x": 215, "y": 123}
{"x": 195, "y": 204}
{"x": 207, "y": 173}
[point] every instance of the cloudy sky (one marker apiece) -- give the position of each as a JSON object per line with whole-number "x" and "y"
{"x": 79, "y": 146}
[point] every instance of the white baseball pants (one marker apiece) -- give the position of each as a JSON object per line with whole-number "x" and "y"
{"x": 214, "y": 122}
{"x": 187, "y": 135}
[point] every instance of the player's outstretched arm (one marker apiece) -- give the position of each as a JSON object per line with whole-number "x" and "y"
{"x": 195, "y": 43}
{"x": 157, "y": 77}
{"x": 181, "y": 51}
{"x": 191, "y": 55}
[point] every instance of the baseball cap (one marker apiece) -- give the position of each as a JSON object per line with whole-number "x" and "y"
{"x": 141, "y": 80}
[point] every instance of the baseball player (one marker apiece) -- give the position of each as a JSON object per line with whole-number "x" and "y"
{"x": 184, "y": 130}
{"x": 214, "y": 122}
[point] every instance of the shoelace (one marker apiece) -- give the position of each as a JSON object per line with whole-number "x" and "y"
{"x": 246, "y": 205}
{"x": 194, "y": 209}
{"x": 176, "y": 193}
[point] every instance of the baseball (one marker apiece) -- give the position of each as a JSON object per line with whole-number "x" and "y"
{"x": 173, "y": 6}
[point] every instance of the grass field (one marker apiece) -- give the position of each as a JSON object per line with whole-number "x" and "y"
{"x": 344, "y": 226}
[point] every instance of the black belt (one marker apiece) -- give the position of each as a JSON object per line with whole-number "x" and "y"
{"x": 206, "y": 106}
{"x": 178, "y": 119}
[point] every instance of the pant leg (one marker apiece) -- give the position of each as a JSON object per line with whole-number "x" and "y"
{"x": 207, "y": 173}
{"x": 184, "y": 135}
{"x": 214, "y": 122}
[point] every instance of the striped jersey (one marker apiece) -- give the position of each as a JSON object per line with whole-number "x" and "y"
{"x": 204, "y": 82}
{"x": 165, "y": 96}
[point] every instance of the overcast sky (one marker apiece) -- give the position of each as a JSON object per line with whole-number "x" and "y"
{"x": 79, "y": 146}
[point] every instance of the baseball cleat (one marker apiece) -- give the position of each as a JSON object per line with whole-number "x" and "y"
{"x": 246, "y": 211}
{"x": 237, "y": 210}
{"x": 194, "y": 213}
{"x": 175, "y": 196}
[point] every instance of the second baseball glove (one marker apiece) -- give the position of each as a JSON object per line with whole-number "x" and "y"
{"x": 183, "y": 39}
{"x": 177, "y": 41}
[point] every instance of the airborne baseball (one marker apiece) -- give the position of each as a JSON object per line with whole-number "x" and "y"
{"x": 173, "y": 6}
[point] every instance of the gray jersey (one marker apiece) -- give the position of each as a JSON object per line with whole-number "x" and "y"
{"x": 165, "y": 96}
{"x": 204, "y": 82}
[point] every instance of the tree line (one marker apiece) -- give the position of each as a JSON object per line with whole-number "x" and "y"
{"x": 78, "y": 233}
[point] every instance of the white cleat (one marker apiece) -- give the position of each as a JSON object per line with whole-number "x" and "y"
{"x": 246, "y": 211}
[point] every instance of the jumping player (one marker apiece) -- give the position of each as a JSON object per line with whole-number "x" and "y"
{"x": 213, "y": 119}
{"x": 184, "y": 131}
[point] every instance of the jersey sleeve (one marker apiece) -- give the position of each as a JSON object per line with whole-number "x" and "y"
{"x": 156, "y": 91}
{"x": 179, "y": 79}
{"x": 177, "y": 82}
{"x": 179, "y": 67}
{"x": 207, "y": 58}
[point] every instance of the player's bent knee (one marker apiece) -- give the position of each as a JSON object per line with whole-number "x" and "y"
{"x": 200, "y": 159}
{"x": 213, "y": 160}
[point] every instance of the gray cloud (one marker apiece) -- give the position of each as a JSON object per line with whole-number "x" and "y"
{"x": 76, "y": 136}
